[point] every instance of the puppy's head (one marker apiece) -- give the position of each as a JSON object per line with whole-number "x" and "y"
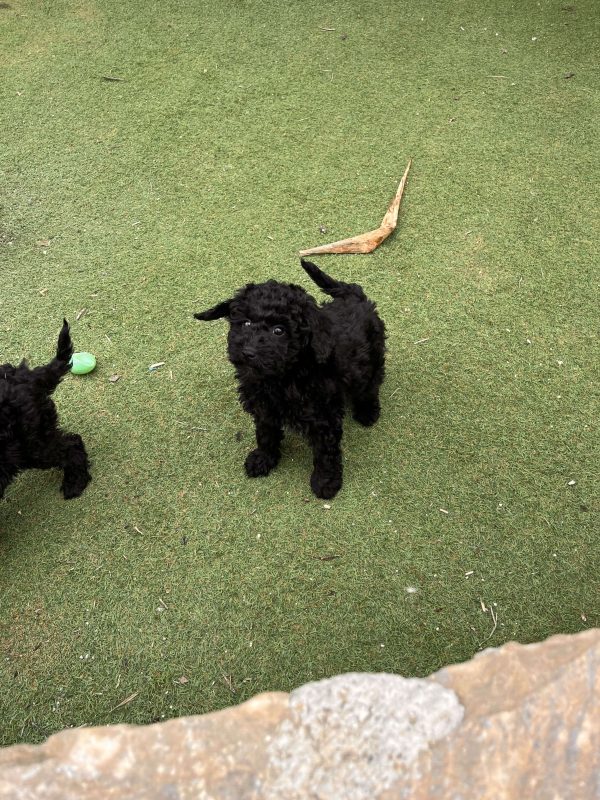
{"x": 272, "y": 326}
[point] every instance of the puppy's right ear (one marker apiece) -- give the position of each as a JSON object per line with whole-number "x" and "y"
{"x": 218, "y": 311}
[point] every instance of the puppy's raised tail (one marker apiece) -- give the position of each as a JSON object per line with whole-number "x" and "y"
{"x": 64, "y": 348}
{"x": 328, "y": 284}
{"x": 48, "y": 377}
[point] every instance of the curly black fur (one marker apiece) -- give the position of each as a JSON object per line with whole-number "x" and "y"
{"x": 29, "y": 434}
{"x": 299, "y": 364}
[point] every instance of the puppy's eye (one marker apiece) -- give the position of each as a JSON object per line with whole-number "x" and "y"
{"x": 247, "y": 322}
{"x": 278, "y": 330}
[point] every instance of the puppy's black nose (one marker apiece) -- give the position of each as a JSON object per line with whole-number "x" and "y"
{"x": 249, "y": 353}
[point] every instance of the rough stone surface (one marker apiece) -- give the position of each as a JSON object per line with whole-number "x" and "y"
{"x": 351, "y": 736}
{"x": 516, "y": 722}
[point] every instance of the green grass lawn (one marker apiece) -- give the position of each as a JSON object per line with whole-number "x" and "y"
{"x": 237, "y": 130}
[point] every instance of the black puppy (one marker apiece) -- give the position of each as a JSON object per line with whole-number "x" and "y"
{"x": 298, "y": 364}
{"x": 29, "y": 434}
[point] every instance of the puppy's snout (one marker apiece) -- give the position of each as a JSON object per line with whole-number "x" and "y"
{"x": 249, "y": 353}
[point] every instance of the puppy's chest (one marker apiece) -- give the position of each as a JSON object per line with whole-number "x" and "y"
{"x": 290, "y": 405}
{"x": 296, "y": 404}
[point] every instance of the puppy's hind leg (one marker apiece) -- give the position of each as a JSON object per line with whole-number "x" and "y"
{"x": 75, "y": 466}
{"x": 364, "y": 389}
{"x": 65, "y": 451}
{"x": 326, "y": 478}
{"x": 265, "y": 457}
{"x": 366, "y": 407}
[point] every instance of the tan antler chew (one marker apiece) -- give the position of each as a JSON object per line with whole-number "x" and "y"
{"x": 366, "y": 242}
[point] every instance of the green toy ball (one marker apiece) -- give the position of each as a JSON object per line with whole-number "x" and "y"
{"x": 82, "y": 363}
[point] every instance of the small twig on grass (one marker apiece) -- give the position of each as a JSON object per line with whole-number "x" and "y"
{"x": 124, "y": 702}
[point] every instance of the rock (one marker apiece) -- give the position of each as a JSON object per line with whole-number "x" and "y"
{"x": 352, "y": 736}
{"x": 218, "y": 755}
{"x": 521, "y": 721}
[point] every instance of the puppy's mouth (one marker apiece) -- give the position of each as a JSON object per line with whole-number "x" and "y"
{"x": 257, "y": 366}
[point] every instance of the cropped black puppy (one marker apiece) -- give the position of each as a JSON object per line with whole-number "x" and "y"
{"x": 29, "y": 434}
{"x": 298, "y": 364}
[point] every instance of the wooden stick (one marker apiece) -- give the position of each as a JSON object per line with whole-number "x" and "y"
{"x": 366, "y": 242}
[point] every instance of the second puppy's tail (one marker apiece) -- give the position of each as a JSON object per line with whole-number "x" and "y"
{"x": 48, "y": 377}
{"x": 328, "y": 284}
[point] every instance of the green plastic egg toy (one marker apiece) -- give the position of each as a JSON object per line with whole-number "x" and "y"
{"x": 82, "y": 363}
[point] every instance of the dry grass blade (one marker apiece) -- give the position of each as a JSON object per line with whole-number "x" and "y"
{"x": 124, "y": 702}
{"x": 366, "y": 242}
{"x": 494, "y": 615}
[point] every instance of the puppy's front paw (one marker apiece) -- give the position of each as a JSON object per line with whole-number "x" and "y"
{"x": 325, "y": 485}
{"x": 259, "y": 463}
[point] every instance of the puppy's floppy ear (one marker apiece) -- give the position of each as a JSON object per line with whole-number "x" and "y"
{"x": 321, "y": 339}
{"x": 216, "y": 312}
